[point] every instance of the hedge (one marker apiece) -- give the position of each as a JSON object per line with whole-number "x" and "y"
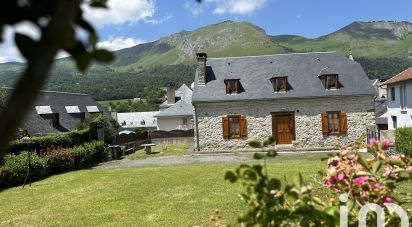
{"x": 403, "y": 140}
{"x": 88, "y": 154}
{"x": 59, "y": 160}
{"x": 14, "y": 169}
{"x": 61, "y": 139}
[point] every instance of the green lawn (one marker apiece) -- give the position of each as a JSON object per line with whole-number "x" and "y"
{"x": 160, "y": 150}
{"x": 157, "y": 196}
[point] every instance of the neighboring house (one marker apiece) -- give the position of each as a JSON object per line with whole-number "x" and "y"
{"x": 309, "y": 100}
{"x": 381, "y": 103}
{"x": 400, "y": 100}
{"x": 58, "y": 112}
{"x": 134, "y": 120}
{"x": 177, "y": 111}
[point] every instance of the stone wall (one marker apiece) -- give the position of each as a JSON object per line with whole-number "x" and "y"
{"x": 308, "y": 124}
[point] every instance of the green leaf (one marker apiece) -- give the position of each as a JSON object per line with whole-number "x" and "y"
{"x": 376, "y": 167}
{"x": 230, "y": 176}
{"x": 298, "y": 180}
{"x": 98, "y": 3}
{"x": 362, "y": 161}
{"x": 25, "y": 45}
{"x": 103, "y": 55}
{"x": 275, "y": 183}
{"x": 268, "y": 141}
{"x": 272, "y": 153}
{"x": 257, "y": 156}
{"x": 82, "y": 60}
{"x": 254, "y": 143}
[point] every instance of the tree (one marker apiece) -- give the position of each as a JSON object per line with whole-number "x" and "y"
{"x": 57, "y": 21}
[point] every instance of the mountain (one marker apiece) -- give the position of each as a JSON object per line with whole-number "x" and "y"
{"x": 382, "y": 47}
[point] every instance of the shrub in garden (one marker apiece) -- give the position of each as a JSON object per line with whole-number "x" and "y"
{"x": 59, "y": 159}
{"x": 88, "y": 154}
{"x": 364, "y": 180}
{"x": 14, "y": 168}
{"x": 61, "y": 139}
{"x": 403, "y": 140}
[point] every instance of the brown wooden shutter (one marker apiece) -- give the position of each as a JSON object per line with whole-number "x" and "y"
{"x": 225, "y": 127}
{"x": 325, "y": 126}
{"x": 343, "y": 124}
{"x": 243, "y": 126}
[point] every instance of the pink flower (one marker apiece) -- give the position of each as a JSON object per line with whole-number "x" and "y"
{"x": 388, "y": 172}
{"x": 329, "y": 181}
{"x": 333, "y": 161}
{"x": 385, "y": 144}
{"x": 409, "y": 170}
{"x": 341, "y": 176}
{"x": 359, "y": 180}
{"x": 372, "y": 141}
{"x": 387, "y": 200}
{"x": 343, "y": 152}
{"x": 376, "y": 185}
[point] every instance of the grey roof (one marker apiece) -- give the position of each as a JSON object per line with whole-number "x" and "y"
{"x": 181, "y": 108}
{"x": 134, "y": 119}
{"x": 302, "y": 71}
{"x": 185, "y": 93}
{"x": 38, "y": 125}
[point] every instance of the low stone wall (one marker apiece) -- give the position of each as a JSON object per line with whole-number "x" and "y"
{"x": 308, "y": 124}
{"x": 174, "y": 140}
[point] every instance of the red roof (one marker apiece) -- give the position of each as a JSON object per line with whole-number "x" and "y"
{"x": 405, "y": 75}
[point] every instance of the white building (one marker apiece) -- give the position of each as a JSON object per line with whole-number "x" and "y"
{"x": 400, "y": 100}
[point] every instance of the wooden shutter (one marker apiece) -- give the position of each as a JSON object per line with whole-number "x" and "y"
{"x": 243, "y": 126}
{"x": 225, "y": 127}
{"x": 325, "y": 126}
{"x": 343, "y": 124}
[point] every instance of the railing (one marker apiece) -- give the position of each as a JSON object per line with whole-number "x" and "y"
{"x": 184, "y": 127}
{"x": 372, "y": 134}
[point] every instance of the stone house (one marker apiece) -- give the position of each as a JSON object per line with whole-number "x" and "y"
{"x": 399, "y": 92}
{"x": 309, "y": 100}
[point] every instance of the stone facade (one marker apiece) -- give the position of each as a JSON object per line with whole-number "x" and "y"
{"x": 308, "y": 124}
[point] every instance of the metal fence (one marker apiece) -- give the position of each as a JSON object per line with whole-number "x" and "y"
{"x": 372, "y": 134}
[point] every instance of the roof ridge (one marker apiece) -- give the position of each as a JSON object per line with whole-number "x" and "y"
{"x": 268, "y": 55}
{"x": 394, "y": 78}
{"x": 46, "y": 91}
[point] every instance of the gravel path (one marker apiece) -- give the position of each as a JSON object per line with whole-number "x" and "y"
{"x": 177, "y": 160}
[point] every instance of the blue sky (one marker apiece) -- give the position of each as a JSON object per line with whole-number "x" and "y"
{"x": 131, "y": 22}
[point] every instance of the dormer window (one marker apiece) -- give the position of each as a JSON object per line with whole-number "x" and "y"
{"x": 232, "y": 86}
{"x": 280, "y": 83}
{"x": 331, "y": 81}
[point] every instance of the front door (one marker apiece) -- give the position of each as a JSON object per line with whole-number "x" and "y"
{"x": 283, "y": 127}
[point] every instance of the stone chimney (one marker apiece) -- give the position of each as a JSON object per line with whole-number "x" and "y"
{"x": 170, "y": 93}
{"x": 201, "y": 68}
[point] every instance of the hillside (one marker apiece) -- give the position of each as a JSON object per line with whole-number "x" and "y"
{"x": 383, "y": 49}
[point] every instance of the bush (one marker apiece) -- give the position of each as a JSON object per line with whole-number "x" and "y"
{"x": 62, "y": 139}
{"x": 88, "y": 154}
{"x": 59, "y": 159}
{"x": 403, "y": 140}
{"x": 14, "y": 169}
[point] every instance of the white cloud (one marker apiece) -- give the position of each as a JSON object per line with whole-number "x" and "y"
{"x": 242, "y": 7}
{"x": 117, "y": 43}
{"x": 8, "y": 50}
{"x": 120, "y": 11}
{"x": 195, "y": 8}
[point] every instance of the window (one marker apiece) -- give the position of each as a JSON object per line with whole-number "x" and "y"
{"x": 234, "y": 126}
{"x": 402, "y": 97}
{"x": 280, "y": 83}
{"x": 334, "y": 123}
{"x": 331, "y": 81}
{"x": 394, "y": 122}
{"x": 392, "y": 93}
{"x": 55, "y": 119}
{"x": 232, "y": 86}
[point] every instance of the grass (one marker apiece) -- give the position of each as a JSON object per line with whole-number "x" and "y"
{"x": 158, "y": 150}
{"x": 157, "y": 196}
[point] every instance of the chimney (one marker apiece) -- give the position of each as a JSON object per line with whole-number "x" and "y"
{"x": 170, "y": 93}
{"x": 201, "y": 68}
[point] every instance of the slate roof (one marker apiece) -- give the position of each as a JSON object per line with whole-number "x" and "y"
{"x": 181, "y": 108}
{"x": 302, "y": 71}
{"x": 405, "y": 75}
{"x": 134, "y": 119}
{"x": 185, "y": 93}
{"x": 58, "y": 101}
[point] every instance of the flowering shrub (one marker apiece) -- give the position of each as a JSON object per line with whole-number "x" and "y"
{"x": 59, "y": 159}
{"x": 367, "y": 180}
